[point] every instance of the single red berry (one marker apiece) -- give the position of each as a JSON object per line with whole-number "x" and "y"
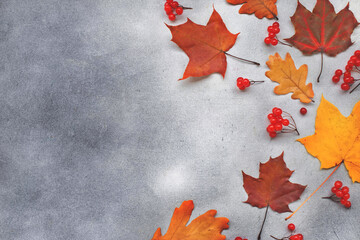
{"x": 339, "y": 194}
{"x": 347, "y": 74}
{"x": 270, "y": 128}
{"x": 274, "y": 41}
{"x": 338, "y": 72}
{"x": 292, "y": 237}
{"x": 169, "y": 12}
{"x": 347, "y": 204}
{"x": 303, "y": 111}
{"x": 272, "y": 35}
{"x": 348, "y": 68}
{"x": 278, "y": 127}
{"x": 168, "y": 8}
{"x": 301, "y": 237}
{"x": 338, "y": 184}
{"x": 276, "y": 24}
{"x": 267, "y": 40}
{"x": 348, "y": 80}
{"x": 296, "y": 237}
{"x": 279, "y": 118}
{"x": 346, "y": 196}
{"x": 291, "y": 227}
{"x": 277, "y": 111}
{"x": 239, "y": 79}
{"x": 357, "y": 62}
{"x": 343, "y": 201}
{"x": 276, "y": 30}
{"x": 272, "y": 134}
{"x": 238, "y": 238}
{"x": 246, "y": 82}
{"x": 169, "y": 1}
{"x": 345, "y": 190}
{"x": 270, "y": 29}
{"x": 174, "y": 4}
{"x": 273, "y": 120}
{"x": 335, "y": 79}
{"x": 353, "y": 58}
{"x": 179, "y": 10}
{"x": 285, "y": 122}
{"x": 351, "y": 63}
{"x": 357, "y": 53}
{"x": 334, "y": 189}
{"x": 345, "y": 86}
{"x": 172, "y": 17}
{"x": 270, "y": 116}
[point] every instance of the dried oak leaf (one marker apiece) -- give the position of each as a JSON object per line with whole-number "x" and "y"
{"x": 273, "y": 187}
{"x": 261, "y": 8}
{"x": 205, "y": 46}
{"x": 290, "y": 79}
{"x": 322, "y": 30}
{"x": 336, "y": 138}
{"x": 204, "y": 227}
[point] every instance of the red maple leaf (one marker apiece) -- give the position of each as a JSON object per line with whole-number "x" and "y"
{"x": 206, "y": 46}
{"x": 273, "y": 188}
{"x": 322, "y": 30}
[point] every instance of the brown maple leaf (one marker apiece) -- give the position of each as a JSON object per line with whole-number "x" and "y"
{"x": 273, "y": 188}
{"x": 204, "y": 227}
{"x": 206, "y": 46}
{"x": 322, "y": 30}
{"x": 261, "y": 8}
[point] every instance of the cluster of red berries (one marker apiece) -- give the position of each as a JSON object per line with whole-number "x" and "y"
{"x": 341, "y": 193}
{"x": 171, "y": 7}
{"x": 278, "y": 122}
{"x": 243, "y": 83}
{"x": 298, "y": 236}
{"x": 239, "y": 238}
{"x": 352, "y": 66}
{"x": 272, "y": 30}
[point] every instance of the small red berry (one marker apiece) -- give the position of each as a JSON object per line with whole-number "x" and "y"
{"x": 246, "y": 82}
{"x": 296, "y": 237}
{"x": 357, "y": 62}
{"x": 274, "y": 41}
{"x": 347, "y": 204}
{"x": 335, "y": 79}
{"x": 347, "y": 74}
{"x": 270, "y": 128}
{"x": 276, "y": 24}
{"x": 345, "y": 86}
{"x": 169, "y": 1}
{"x": 273, "y": 120}
{"x": 291, "y": 227}
{"x": 334, "y": 189}
{"x": 272, "y": 35}
{"x": 348, "y": 68}
{"x": 270, "y": 29}
{"x": 338, "y": 184}
{"x": 238, "y": 238}
{"x": 345, "y": 190}
{"x": 339, "y": 194}
{"x": 278, "y": 127}
{"x": 277, "y": 111}
{"x": 167, "y": 8}
{"x": 338, "y": 72}
{"x": 357, "y": 53}
{"x": 267, "y": 40}
{"x": 276, "y": 30}
{"x": 353, "y": 58}
{"x": 270, "y": 116}
{"x": 351, "y": 63}
{"x": 179, "y": 10}
{"x": 172, "y": 17}
{"x": 343, "y": 201}
{"x": 346, "y": 196}
{"x": 272, "y": 134}
{"x": 303, "y": 111}
{"x": 174, "y": 4}
{"x": 285, "y": 122}
{"x": 301, "y": 237}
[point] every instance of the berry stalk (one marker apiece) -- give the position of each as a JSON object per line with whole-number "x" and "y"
{"x": 314, "y": 192}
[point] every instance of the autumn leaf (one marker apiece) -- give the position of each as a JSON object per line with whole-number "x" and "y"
{"x": 290, "y": 79}
{"x": 322, "y": 30}
{"x": 336, "y": 138}
{"x": 273, "y": 188}
{"x": 204, "y": 227}
{"x": 206, "y": 46}
{"x": 261, "y": 8}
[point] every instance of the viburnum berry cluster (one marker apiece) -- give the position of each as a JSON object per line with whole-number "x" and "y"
{"x": 340, "y": 194}
{"x": 172, "y": 7}
{"x": 272, "y": 31}
{"x": 243, "y": 83}
{"x": 293, "y": 236}
{"x": 352, "y": 66}
{"x": 239, "y": 238}
{"x": 280, "y": 122}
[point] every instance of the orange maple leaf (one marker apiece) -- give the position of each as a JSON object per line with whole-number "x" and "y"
{"x": 261, "y": 8}
{"x": 336, "y": 138}
{"x": 290, "y": 79}
{"x": 204, "y": 227}
{"x": 205, "y": 46}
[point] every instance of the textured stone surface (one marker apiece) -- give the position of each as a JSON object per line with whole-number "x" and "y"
{"x": 100, "y": 141}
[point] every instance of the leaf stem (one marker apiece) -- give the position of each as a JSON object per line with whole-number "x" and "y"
{"x": 242, "y": 59}
{"x": 262, "y": 226}
{"x": 314, "y": 192}
{"x": 322, "y": 64}
{"x": 354, "y": 88}
{"x": 283, "y": 43}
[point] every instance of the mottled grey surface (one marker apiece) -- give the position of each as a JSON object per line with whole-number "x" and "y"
{"x": 100, "y": 141}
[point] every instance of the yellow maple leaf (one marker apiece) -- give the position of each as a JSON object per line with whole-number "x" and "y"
{"x": 204, "y": 227}
{"x": 290, "y": 79}
{"x": 336, "y": 138}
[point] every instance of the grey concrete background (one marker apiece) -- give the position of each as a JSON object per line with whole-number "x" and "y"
{"x": 100, "y": 141}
